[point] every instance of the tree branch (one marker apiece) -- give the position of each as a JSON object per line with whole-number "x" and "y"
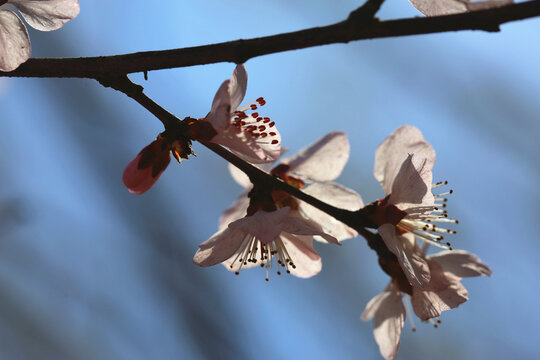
{"x": 355, "y": 219}
{"x": 358, "y": 26}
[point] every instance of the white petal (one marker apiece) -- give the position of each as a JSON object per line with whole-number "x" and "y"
{"x": 302, "y": 254}
{"x": 439, "y": 7}
{"x": 412, "y": 185}
{"x": 394, "y": 150}
{"x": 323, "y": 160}
{"x": 238, "y": 86}
{"x": 227, "y": 98}
{"x": 235, "y": 211}
{"x": 336, "y": 195}
{"x": 428, "y": 304}
{"x": 410, "y": 257}
{"x": 375, "y": 303}
{"x": 221, "y": 246}
{"x": 447, "y": 7}
{"x": 47, "y": 15}
{"x": 388, "y": 322}
{"x": 14, "y": 41}
{"x": 265, "y": 226}
{"x": 460, "y": 263}
{"x": 220, "y": 113}
{"x": 300, "y": 226}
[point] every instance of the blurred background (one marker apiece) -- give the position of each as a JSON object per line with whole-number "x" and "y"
{"x": 89, "y": 271}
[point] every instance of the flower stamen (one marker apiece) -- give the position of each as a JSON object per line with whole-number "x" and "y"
{"x": 274, "y": 251}
{"x": 254, "y": 124}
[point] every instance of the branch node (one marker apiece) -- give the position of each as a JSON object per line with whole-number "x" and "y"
{"x": 120, "y": 83}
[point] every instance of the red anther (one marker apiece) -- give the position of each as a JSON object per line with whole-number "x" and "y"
{"x": 242, "y": 123}
{"x": 253, "y": 107}
{"x": 262, "y": 127}
{"x": 274, "y": 142}
{"x": 255, "y": 134}
{"x": 263, "y": 135}
{"x": 260, "y": 99}
{"x": 272, "y": 134}
{"x": 271, "y": 124}
{"x": 255, "y": 114}
{"x": 259, "y": 119}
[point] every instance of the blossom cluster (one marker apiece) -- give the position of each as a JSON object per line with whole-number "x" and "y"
{"x": 268, "y": 227}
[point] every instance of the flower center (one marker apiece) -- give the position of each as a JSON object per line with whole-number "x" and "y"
{"x": 423, "y": 226}
{"x": 253, "y": 124}
{"x": 266, "y": 254}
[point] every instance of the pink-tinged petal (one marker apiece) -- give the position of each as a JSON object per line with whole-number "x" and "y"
{"x": 428, "y": 304}
{"x": 227, "y": 98}
{"x": 336, "y": 195}
{"x": 444, "y": 292}
{"x": 460, "y": 263}
{"x": 409, "y": 256}
{"x": 306, "y": 260}
{"x": 220, "y": 113}
{"x": 412, "y": 186}
{"x": 236, "y": 211}
{"x": 447, "y": 7}
{"x": 238, "y": 86}
{"x": 143, "y": 171}
{"x": 220, "y": 247}
{"x": 389, "y": 317}
{"x": 47, "y": 15}
{"x": 484, "y": 5}
{"x": 300, "y": 226}
{"x": 395, "y": 149}
{"x": 264, "y": 226}
{"x": 375, "y": 303}
{"x": 14, "y": 41}
{"x": 241, "y": 178}
{"x": 256, "y": 150}
{"x": 439, "y": 7}
{"x": 323, "y": 160}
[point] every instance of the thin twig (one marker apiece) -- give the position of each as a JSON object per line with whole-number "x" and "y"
{"x": 355, "y": 27}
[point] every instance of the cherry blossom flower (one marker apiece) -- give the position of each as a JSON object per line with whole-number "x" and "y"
{"x": 245, "y": 132}
{"x": 403, "y": 164}
{"x": 447, "y": 7}
{"x": 44, "y": 15}
{"x": 249, "y": 136}
{"x": 267, "y": 238}
{"x": 443, "y": 292}
{"x": 311, "y": 170}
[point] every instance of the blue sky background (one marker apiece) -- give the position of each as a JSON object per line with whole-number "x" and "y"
{"x": 89, "y": 271}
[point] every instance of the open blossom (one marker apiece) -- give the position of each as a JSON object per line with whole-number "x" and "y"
{"x": 403, "y": 164}
{"x": 248, "y": 135}
{"x": 447, "y": 7}
{"x": 243, "y": 130}
{"x": 266, "y": 238}
{"x": 44, "y": 15}
{"x": 312, "y": 171}
{"x": 443, "y": 292}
